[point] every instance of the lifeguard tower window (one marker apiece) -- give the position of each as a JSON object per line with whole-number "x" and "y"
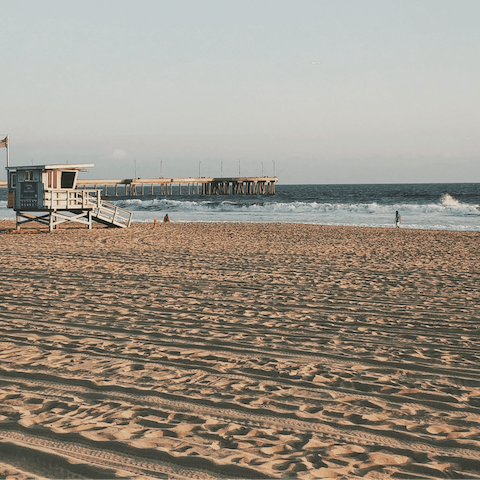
{"x": 13, "y": 180}
{"x": 28, "y": 176}
{"x": 67, "y": 179}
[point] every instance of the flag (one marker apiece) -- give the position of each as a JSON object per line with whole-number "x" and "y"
{"x": 4, "y": 142}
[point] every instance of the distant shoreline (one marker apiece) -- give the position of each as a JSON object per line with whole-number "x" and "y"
{"x": 33, "y": 227}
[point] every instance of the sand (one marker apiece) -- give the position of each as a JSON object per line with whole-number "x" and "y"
{"x": 239, "y": 351}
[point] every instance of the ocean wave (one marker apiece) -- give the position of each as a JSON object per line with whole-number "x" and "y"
{"x": 449, "y": 201}
{"x": 447, "y": 204}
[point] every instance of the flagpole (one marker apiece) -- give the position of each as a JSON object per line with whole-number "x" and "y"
{"x": 8, "y": 152}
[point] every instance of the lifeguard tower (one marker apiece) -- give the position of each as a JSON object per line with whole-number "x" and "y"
{"x": 48, "y": 194}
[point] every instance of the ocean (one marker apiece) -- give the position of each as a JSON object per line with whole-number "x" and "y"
{"x": 446, "y": 206}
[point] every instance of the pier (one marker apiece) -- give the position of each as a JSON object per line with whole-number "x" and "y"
{"x": 192, "y": 186}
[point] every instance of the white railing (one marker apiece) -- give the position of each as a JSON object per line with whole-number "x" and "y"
{"x": 63, "y": 199}
{"x": 74, "y": 199}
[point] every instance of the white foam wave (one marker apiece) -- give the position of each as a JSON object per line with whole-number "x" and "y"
{"x": 6, "y": 213}
{"x": 449, "y": 201}
{"x": 445, "y": 206}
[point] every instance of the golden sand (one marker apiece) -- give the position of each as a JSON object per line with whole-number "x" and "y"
{"x": 239, "y": 350}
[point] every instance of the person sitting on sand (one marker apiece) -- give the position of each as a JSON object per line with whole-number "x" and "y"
{"x": 166, "y": 218}
{"x": 398, "y": 219}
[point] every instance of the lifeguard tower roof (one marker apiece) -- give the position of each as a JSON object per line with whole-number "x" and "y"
{"x": 82, "y": 167}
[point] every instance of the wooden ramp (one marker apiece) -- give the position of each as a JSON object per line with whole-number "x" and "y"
{"x": 111, "y": 215}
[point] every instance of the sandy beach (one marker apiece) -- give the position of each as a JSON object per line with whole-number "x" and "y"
{"x": 222, "y": 350}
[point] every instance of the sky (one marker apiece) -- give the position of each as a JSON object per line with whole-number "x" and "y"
{"x": 186, "y": 87}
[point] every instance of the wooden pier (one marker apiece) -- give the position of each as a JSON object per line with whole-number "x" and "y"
{"x": 193, "y": 186}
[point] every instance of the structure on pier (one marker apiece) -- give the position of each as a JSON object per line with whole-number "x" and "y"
{"x": 48, "y": 194}
{"x": 194, "y": 186}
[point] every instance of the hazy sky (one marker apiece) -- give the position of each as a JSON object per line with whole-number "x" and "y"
{"x": 395, "y": 99}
